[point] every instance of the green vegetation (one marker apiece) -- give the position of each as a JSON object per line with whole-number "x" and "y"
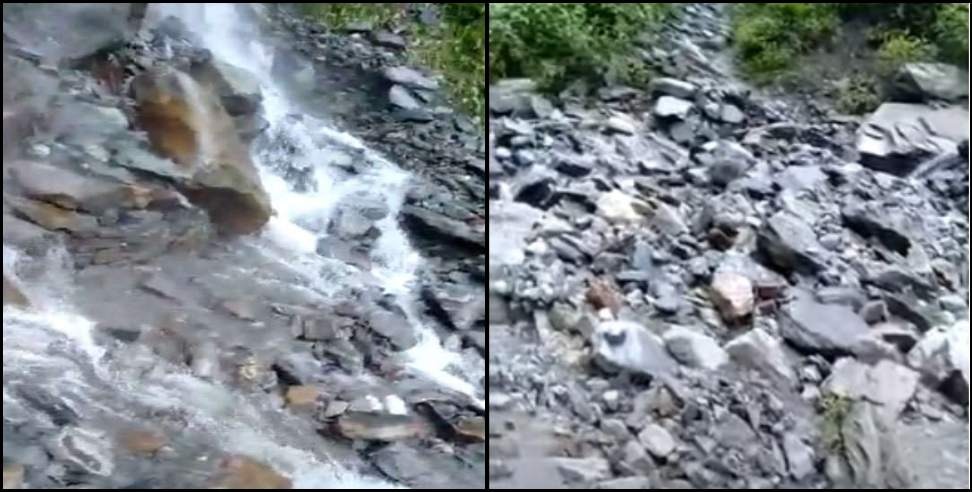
{"x": 771, "y": 37}
{"x": 834, "y": 410}
{"x": 456, "y": 47}
{"x": 556, "y": 43}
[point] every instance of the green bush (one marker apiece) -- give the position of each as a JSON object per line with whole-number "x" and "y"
{"x": 554, "y": 43}
{"x": 769, "y": 36}
{"x": 899, "y": 48}
{"x": 951, "y": 33}
{"x": 858, "y": 94}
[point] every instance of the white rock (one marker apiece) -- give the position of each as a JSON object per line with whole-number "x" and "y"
{"x": 657, "y": 441}
{"x": 616, "y": 206}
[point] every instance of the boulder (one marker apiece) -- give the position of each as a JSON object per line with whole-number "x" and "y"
{"x": 760, "y": 351}
{"x": 942, "y": 358}
{"x": 672, "y": 87}
{"x": 695, "y": 349}
{"x": 923, "y": 82}
{"x": 582, "y": 470}
{"x": 668, "y": 107}
{"x": 439, "y": 227}
{"x": 243, "y": 472}
{"x": 871, "y": 449}
{"x": 238, "y": 89}
{"x": 189, "y": 126}
{"x": 830, "y": 330}
{"x": 733, "y": 295}
{"x": 790, "y": 244}
{"x": 400, "y": 97}
{"x": 657, "y": 441}
{"x": 630, "y": 347}
{"x": 381, "y": 427}
{"x": 409, "y": 78}
{"x": 888, "y": 385}
{"x": 725, "y": 161}
{"x": 12, "y": 295}
{"x": 142, "y": 442}
{"x": 898, "y": 137}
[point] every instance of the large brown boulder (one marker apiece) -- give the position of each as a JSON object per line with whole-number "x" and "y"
{"x": 187, "y": 124}
{"x": 11, "y": 295}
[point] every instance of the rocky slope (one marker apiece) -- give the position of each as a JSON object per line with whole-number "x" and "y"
{"x": 701, "y": 284}
{"x": 209, "y": 270}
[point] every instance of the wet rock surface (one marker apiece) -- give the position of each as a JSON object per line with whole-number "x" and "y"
{"x": 709, "y": 285}
{"x": 148, "y": 218}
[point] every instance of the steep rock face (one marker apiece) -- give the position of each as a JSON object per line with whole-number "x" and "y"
{"x": 213, "y": 167}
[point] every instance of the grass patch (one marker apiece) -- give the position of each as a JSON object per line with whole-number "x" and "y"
{"x": 834, "y": 409}
{"x": 456, "y": 47}
{"x": 555, "y": 44}
{"x": 771, "y": 38}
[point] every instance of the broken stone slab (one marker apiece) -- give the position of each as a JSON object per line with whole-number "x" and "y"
{"x": 582, "y": 470}
{"x": 437, "y": 226}
{"x": 898, "y": 137}
{"x": 825, "y": 329}
{"x": 790, "y": 244}
{"x": 409, "y": 77}
{"x": 672, "y": 87}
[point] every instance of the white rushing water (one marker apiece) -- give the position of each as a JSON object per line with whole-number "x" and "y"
{"x": 302, "y": 216}
{"x": 53, "y": 343}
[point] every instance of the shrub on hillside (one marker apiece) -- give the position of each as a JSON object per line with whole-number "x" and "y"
{"x": 554, "y": 43}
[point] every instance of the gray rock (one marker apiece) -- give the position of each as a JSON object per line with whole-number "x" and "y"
{"x": 872, "y": 451}
{"x": 436, "y": 226}
{"x": 410, "y": 78}
{"x": 942, "y": 358}
{"x": 388, "y": 40}
{"x": 71, "y": 32}
{"x": 953, "y": 303}
{"x": 238, "y": 89}
{"x": 621, "y": 124}
{"x": 83, "y": 450}
{"x": 799, "y": 457}
{"x": 627, "y": 483}
{"x": 874, "y": 312}
{"x": 798, "y": 178}
{"x": 512, "y": 96}
{"x": 891, "y": 227}
{"x": 400, "y": 97}
{"x": 922, "y": 82}
{"x": 898, "y": 137}
{"x": 887, "y": 384}
{"x": 757, "y": 349}
{"x": 672, "y": 87}
{"x": 821, "y": 328}
{"x": 631, "y": 347}
{"x": 582, "y": 470}
{"x": 614, "y": 428}
{"x": 669, "y": 107}
{"x": 725, "y": 161}
{"x": 657, "y": 441}
{"x": 636, "y": 459}
{"x": 395, "y": 327}
{"x": 298, "y": 369}
{"x": 729, "y": 113}
{"x": 790, "y": 244}
{"x": 694, "y": 349}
